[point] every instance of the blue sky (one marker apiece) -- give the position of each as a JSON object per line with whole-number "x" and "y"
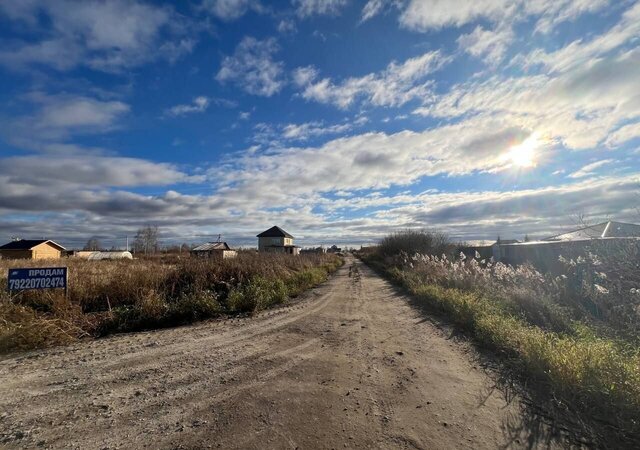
{"x": 339, "y": 120}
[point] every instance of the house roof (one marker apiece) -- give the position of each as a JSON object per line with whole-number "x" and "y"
{"x": 28, "y": 244}
{"x": 600, "y": 230}
{"x": 209, "y": 246}
{"x": 275, "y": 232}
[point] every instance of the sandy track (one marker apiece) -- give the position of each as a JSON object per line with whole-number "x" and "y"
{"x": 350, "y": 365}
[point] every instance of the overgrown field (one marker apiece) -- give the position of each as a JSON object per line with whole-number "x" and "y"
{"x": 116, "y": 296}
{"x": 574, "y": 337}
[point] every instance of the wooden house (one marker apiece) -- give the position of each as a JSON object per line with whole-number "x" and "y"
{"x": 32, "y": 249}
{"x": 215, "y": 250}
{"x": 276, "y": 240}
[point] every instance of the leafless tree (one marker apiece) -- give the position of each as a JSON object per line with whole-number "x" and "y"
{"x": 93, "y": 245}
{"x": 146, "y": 240}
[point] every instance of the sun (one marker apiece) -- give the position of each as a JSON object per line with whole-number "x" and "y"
{"x": 524, "y": 154}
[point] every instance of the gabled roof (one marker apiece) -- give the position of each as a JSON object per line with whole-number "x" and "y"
{"x": 28, "y": 244}
{"x": 600, "y": 230}
{"x": 275, "y": 232}
{"x": 209, "y": 246}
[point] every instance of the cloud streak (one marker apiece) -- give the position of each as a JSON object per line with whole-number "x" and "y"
{"x": 252, "y": 67}
{"x": 396, "y": 85}
{"x": 426, "y": 15}
{"x": 308, "y": 8}
{"x": 105, "y": 36}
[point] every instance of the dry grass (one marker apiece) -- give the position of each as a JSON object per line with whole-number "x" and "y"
{"x": 114, "y": 296}
{"x": 558, "y": 333}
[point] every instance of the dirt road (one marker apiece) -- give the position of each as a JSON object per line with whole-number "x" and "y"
{"x": 351, "y": 365}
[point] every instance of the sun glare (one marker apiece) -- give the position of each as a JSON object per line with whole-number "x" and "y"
{"x": 524, "y": 154}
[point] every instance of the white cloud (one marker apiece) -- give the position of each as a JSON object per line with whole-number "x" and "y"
{"x": 370, "y": 160}
{"x": 623, "y": 134}
{"x": 230, "y": 9}
{"x": 303, "y": 76}
{"x": 485, "y": 214}
{"x": 57, "y": 53}
{"x": 235, "y": 208}
{"x": 372, "y": 8}
{"x": 487, "y": 44}
{"x": 275, "y": 136}
{"x": 80, "y": 113}
{"x": 424, "y": 15}
{"x": 590, "y": 169}
{"x": 307, "y": 8}
{"x": 395, "y": 86}
{"x": 580, "y": 52}
{"x": 304, "y": 131}
{"x": 580, "y": 107}
{"x": 105, "y": 36}
{"x": 585, "y": 91}
{"x": 95, "y": 171}
{"x": 80, "y": 185}
{"x": 252, "y": 67}
{"x": 60, "y": 116}
{"x": 198, "y": 105}
{"x": 287, "y": 26}
{"x": 554, "y": 12}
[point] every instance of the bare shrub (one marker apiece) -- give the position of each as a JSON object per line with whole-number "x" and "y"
{"x": 414, "y": 241}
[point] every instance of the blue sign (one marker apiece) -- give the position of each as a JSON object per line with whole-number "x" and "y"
{"x": 44, "y": 278}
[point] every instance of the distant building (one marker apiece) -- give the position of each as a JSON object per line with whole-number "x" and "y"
{"x": 498, "y": 246}
{"x": 544, "y": 254}
{"x": 32, "y": 249}
{"x": 214, "y": 250}
{"x": 602, "y": 230}
{"x": 276, "y": 240}
{"x": 334, "y": 249}
{"x": 318, "y": 250}
{"x": 100, "y": 256}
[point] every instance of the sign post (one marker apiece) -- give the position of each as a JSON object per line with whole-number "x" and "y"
{"x": 38, "y": 278}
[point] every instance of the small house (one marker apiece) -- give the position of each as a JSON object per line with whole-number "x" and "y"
{"x": 32, "y": 249}
{"x": 276, "y": 240}
{"x": 214, "y": 250}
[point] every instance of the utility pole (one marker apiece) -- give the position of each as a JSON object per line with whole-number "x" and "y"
{"x": 127, "y": 237}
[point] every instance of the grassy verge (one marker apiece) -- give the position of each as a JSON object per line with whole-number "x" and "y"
{"x": 108, "y": 297}
{"x": 590, "y": 375}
